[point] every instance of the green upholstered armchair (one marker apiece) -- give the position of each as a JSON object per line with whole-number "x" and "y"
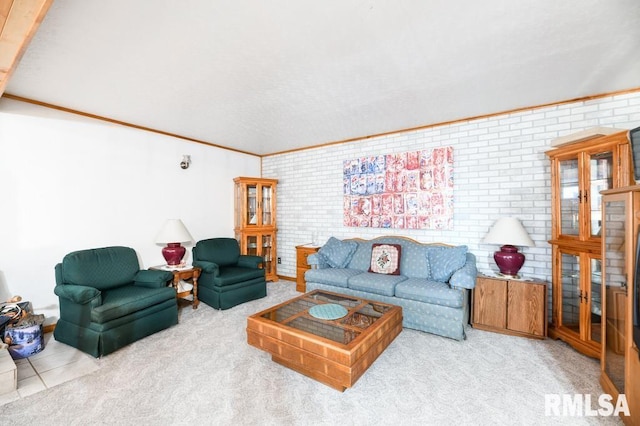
{"x": 107, "y": 302}
{"x": 227, "y": 278}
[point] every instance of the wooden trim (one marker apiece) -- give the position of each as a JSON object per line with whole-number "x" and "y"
{"x": 460, "y": 120}
{"x": 19, "y": 21}
{"x": 122, "y": 123}
{"x": 286, "y": 278}
{"x": 49, "y": 328}
{"x": 339, "y": 142}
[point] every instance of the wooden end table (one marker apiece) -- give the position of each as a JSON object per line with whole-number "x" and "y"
{"x": 183, "y": 273}
{"x": 302, "y": 252}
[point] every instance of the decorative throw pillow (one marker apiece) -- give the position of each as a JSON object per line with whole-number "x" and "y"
{"x": 385, "y": 259}
{"x": 444, "y": 262}
{"x": 338, "y": 253}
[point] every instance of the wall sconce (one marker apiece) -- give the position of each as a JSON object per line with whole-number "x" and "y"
{"x": 186, "y": 161}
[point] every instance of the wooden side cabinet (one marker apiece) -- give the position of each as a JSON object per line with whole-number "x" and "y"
{"x": 302, "y": 252}
{"x": 510, "y": 307}
{"x": 255, "y": 220}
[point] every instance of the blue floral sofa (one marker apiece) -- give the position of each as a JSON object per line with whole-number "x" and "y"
{"x": 430, "y": 281}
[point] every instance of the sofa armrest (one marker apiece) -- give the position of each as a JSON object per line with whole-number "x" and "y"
{"x": 250, "y": 261}
{"x": 316, "y": 261}
{"x": 207, "y": 267}
{"x": 152, "y": 278}
{"x": 79, "y": 294}
{"x": 465, "y": 277}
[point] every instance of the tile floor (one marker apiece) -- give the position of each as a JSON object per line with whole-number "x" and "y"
{"x": 56, "y": 364}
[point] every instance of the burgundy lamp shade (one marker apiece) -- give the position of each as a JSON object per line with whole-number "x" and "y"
{"x": 173, "y": 233}
{"x": 509, "y": 233}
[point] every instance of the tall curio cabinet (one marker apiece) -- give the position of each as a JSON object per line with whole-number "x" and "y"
{"x": 255, "y": 220}
{"x": 620, "y": 357}
{"x": 579, "y": 171}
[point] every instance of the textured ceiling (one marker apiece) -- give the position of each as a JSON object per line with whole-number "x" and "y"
{"x": 266, "y": 77}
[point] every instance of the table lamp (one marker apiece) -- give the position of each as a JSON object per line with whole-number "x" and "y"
{"x": 173, "y": 233}
{"x": 508, "y": 232}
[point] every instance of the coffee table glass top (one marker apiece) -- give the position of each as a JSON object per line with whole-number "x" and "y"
{"x": 295, "y": 313}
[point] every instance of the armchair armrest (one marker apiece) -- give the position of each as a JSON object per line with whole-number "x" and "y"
{"x": 316, "y": 261}
{"x": 465, "y": 277}
{"x": 207, "y": 267}
{"x": 152, "y": 278}
{"x": 78, "y": 293}
{"x": 250, "y": 261}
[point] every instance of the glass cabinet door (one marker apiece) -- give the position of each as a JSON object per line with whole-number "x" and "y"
{"x": 267, "y": 193}
{"x": 593, "y": 303}
{"x": 252, "y": 204}
{"x": 571, "y": 292}
{"x": 581, "y": 302}
{"x": 267, "y": 248}
{"x": 601, "y": 178}
{"x": 616, "y": 291}
{"x": 569, "y": 197}
{"x": 251, "y": 244}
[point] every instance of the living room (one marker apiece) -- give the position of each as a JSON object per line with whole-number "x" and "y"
{"x": 72, "y": 181}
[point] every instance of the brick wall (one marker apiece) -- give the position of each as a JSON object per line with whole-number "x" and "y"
{"x": 500, "y": 169}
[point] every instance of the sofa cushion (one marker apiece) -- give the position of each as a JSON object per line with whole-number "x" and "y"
{"x": 428, "y": 291}
{"x": 122, "y": 301}
{"x": 100, "y": 268}
{"x": 385, "y": 259}
{"x": 375, "y": 283}
{"x": 444, "y": 261}
{"x": 338, "y": 277}
{"x": 415, "y": 263}
{"x": 338, "y": 253}
{"x": 222, "y": 251}
{"x": 361, "y": 259}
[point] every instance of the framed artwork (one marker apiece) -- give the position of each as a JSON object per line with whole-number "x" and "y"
{"x": 410, "y": 190}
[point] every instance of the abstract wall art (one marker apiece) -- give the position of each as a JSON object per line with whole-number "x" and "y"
{"x": 409, "y": 190}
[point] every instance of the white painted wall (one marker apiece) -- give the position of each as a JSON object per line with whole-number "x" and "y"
{"x": 500, "y": 169}
{"x": 69, "y": 183}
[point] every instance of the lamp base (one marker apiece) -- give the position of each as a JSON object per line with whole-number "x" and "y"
{"x": 509, "y": 260}
{"x": 507, "y": 276}
{"x": 173, "y": 253}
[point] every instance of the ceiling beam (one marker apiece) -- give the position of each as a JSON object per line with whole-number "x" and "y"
{"x": 19, "y": 21}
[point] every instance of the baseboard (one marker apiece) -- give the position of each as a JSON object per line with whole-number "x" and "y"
{"x": 284, "y": 277}
{"x": 49, "y": 328}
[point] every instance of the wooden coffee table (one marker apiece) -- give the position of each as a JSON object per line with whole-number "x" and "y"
{"x": 335, "y": 352}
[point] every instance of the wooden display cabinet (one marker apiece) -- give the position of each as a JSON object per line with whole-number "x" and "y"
{"x": 507, "y": 306}
{"x": 255, "y": 220}
{"x": 579, "y": 171}
{"x": 302, "y": 252}
{"x": 620, "y": 357}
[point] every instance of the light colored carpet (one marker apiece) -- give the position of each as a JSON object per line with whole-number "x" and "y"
{"x": 202, "y": 371}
